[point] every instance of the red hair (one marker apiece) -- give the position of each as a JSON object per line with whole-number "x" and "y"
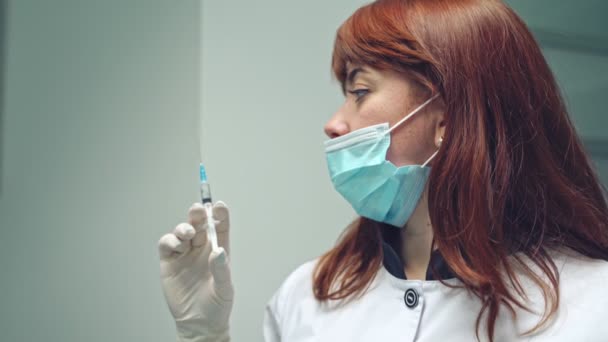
{"x": 511, "y": 174}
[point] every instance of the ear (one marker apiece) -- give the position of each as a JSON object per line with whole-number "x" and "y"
{"x": 439, "y": 128}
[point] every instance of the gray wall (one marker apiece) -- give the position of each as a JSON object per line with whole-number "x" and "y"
{"x": 104, "y": 108}
{"x": 3, "y": 17}
{"x": 100, "y": 159}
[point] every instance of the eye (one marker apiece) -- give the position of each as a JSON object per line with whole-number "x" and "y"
{"x": 359, "y": 93}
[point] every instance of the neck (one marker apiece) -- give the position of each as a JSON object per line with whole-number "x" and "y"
{"x": 416, "y": 240}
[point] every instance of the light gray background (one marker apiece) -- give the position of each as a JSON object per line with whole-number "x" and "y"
{"x": 100, "y": 152}
{"x": 100, "y": 147}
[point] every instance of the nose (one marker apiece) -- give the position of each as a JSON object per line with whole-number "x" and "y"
{"x": 335, "y": 127}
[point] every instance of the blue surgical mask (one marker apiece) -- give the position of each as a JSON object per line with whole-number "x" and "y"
{"x": 375, "y": 187}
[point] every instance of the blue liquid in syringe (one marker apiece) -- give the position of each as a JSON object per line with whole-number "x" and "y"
{"x": 205, "y": 188}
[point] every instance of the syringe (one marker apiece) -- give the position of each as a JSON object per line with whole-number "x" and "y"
{"x": 208, "y": 204}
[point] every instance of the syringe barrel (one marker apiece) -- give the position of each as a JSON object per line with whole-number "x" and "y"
{"x": 206, "y": 193}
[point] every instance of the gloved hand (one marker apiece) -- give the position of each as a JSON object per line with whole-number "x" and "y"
{"x": 196, "y": 282}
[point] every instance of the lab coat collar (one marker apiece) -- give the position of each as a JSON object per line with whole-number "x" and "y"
{"x": 394, "y": 266}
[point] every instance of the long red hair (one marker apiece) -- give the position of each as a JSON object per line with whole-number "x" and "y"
{"x": 511, "y": 174}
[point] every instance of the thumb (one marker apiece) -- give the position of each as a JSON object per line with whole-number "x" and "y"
{"x": 220, "y": 269}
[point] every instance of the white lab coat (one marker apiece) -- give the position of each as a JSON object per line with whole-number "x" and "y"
{"x": 439, "y": 313}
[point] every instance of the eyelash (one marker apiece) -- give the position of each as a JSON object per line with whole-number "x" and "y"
{"x": 356, "y": 92}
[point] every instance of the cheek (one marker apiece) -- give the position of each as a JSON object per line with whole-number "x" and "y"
{"x": 410, "y": 146}
{"x": 369, "y": 119}
{"x": 372, "y": 112}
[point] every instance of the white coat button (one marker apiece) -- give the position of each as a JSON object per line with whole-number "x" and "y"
{"x": 411, "y": 298}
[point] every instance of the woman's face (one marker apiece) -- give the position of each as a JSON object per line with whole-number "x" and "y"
{"x": 374, "y": 97}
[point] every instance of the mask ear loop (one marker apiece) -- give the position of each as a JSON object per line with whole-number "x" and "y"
{"x": 434, "y": 154}
{"x": 412, "y": 113}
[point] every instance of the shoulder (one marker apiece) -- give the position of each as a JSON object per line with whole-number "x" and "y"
{"x": 582, "y": 276}
{"x": 301, "y": 276}
{"x": 583, "y": 305}
{"x": 576, "y": 273}
{"x": 582, "y": 281}
{"x": 574, "y": 267}
{"x": 297, "y": 286}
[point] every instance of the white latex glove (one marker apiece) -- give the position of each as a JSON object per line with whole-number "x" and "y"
{"x": 196, "y": 282}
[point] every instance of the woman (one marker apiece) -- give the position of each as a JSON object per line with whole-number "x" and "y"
{"x": 481, "y": 216}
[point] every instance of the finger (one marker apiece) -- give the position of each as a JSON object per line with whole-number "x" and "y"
{"x": 222, "y": 227}
{"x": 197, "y": 216}
{"x": 220, "y": 269}
{"x": 169, "y": 244}
{"x": 200, "y": 239}
{"x": 220, "y": 211}
{"x": 184, "y": 231}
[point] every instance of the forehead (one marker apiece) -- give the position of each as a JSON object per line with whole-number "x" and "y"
{"x": 354, "y": 65}
{"x": 362, "y": 69}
